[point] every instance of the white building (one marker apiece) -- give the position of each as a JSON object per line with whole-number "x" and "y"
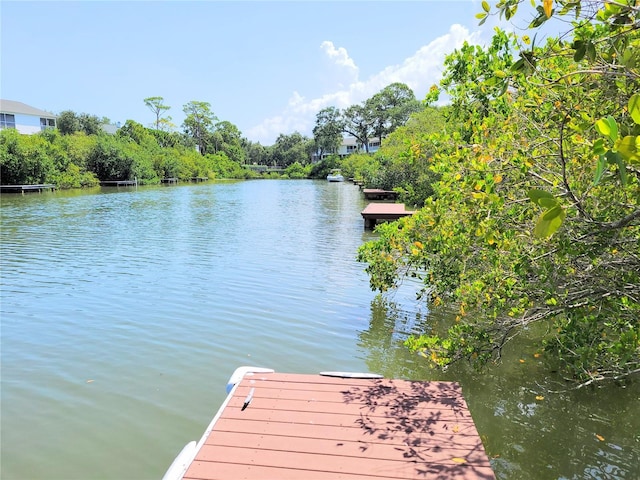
{"x": 24, "y": 118}
{"x": 351, "y": 145}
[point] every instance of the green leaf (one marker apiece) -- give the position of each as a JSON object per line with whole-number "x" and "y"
{"x": 507, "y": 14}
{"x": 591, "y": 51}
{"x": 549, "y": 222}
{"x": 608, "y": 128}
{"x": 622, "y": 169}
{"x": 612, "y": 157}
{"x": 535, "y": 195}
{"x": 600, "y": 167}
{"x": 519, "y": 65}
{"x": 485, "y": 6}
{"x": 628, "y": 148}
{"x": 553, "y": 213}
{"x": 634, "y": 107}
{"x": 481, "y": 16}
{"x": 580, "y": 52}
{"x": 545, "y": 202}
{"x": 598, "y": 147}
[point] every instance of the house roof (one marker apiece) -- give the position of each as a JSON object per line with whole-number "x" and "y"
{"x": 10, "y": 106}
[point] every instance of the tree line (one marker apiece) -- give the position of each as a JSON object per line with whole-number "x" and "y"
{"x": 80, "y": 153}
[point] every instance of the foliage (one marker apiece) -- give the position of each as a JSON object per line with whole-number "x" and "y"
{"x": 290, "y": 149}
{"x": 359, "y": 166}
{"x": 327, "y": 133}
{"x": 198, "y": 124}
{"x": 403, "y": 158}
{"x": 358, "y": 123}
{"x": 90, "y": 124}
{"x": 297, "y": 171}
{"x": 391, "y": 108}
{"x": 81, "y": 160}
{"x": 534, "y": 224}
{"x": 320, "y": 170}
{"x": 219, "y": 165}
{"x": 227, "y": 138}
{"x": 157, "y": 106}
{"x": 255, "y": 153}
{"x": 24, "y": 160}
{"x": 377, "y": 117}
{"x": 68, "y": 122}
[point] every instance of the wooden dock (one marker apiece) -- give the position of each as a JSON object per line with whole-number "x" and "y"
{"x": 376, "y": 212}
{"x": 39, "y": 188}
{"x": 314, "y": 427}
{"x": 119, "y": 183}
{"x": 169, "y": 180}
{"x": 379, "y": 194}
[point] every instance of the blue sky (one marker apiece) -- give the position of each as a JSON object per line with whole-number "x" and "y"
{"x": 267, "y": 67}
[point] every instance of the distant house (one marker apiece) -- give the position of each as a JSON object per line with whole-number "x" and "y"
{"x": 348, "y": 146}
{"x": 24, "y": 118}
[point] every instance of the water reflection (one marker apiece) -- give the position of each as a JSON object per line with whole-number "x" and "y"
{"x": 529, "y": 428}
{"x": 124, "y": 311}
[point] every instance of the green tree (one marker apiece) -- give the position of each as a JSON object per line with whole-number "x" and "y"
{"x": 227, "y": 138}
{"x": 255, "y": 153}
{"x": 135, "y": 132}
{"x": 157, "y": 106}
{"x": 68, "y": 122}
{"x": 297, "y": 171}
{"x": 292, "y": 148}
{"x": 327, "y": 132}
{"x": 534, "y": 225}
{"x": 391, "y": 108}
{"x": 90, "y": 124}
{"x": 24, "y": 158}
{"x": 358, "y": 123}
{"x": 199, "y": 123}
{"x": 109, "y": 160}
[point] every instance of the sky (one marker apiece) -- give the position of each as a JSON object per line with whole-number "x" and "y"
{"x": 267, "y": 67}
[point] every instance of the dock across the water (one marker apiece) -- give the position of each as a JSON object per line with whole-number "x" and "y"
{"x": 379, "y": 194}
{"x": 119, "y": 183}
{"x": 316, "y": 427}
{"x": 376, "y": 212}
{"x": 39, "y": 188}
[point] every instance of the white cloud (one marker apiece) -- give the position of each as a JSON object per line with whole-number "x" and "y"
{"x": 419, "y": 72}
{"x": 340, "y": 57}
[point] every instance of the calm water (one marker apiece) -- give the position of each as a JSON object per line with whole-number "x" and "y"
{"x": 124, "y": 312}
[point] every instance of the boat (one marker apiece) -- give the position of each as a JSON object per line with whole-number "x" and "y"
{"x": 335, "y": 176}
{"x": 335, "y": 425}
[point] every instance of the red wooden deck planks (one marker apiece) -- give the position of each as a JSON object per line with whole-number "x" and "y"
{"x": 315, "y": 427}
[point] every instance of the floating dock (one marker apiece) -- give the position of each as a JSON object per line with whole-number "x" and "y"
{"x": 119, "y": 183}
{"x": 379, "y": 194}
{"x": 27, "y": 188}
{"x": 317, "y": 427}
{"x": 376, "y": 212}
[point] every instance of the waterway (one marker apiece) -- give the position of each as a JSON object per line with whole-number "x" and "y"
{"x": 124, "y": 311}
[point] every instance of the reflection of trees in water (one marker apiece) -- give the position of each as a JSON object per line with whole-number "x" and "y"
{"x": 382, "y": 342}
{"x": 521, "y": 431}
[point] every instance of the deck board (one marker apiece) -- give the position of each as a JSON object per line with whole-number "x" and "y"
{"x": 314, "y": 427}
{"x": 375, "y": 212}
